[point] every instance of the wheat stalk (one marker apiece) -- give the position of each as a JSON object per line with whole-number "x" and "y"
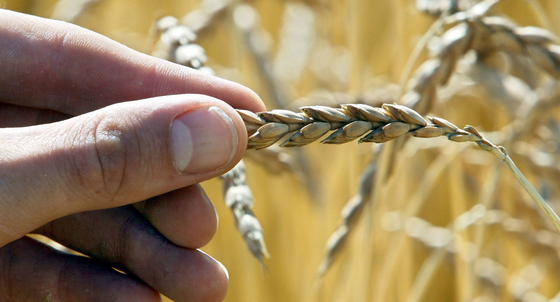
{"x": 485, "y": 269}
{"x": 442, "y": 240}
{"x": 370, "y": 124}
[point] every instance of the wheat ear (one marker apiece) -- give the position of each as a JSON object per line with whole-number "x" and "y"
{"x": 536, "y": 43}
{"x": 370, "y": 124}
{"x": 455, "y": 42}
{"x": 485, "y": 35}
{"x": 176, "y": 44}
{"x": 239, "y": 199}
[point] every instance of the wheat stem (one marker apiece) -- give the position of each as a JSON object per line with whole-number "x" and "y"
{"x": 543, "y": 205}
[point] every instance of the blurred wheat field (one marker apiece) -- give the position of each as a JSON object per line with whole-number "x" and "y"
{"x": 413, "y": 241}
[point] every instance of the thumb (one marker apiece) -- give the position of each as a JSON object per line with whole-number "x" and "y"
{"x": 117, "y": 155}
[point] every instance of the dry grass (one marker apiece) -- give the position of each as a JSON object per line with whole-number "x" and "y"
{"x": 429, "y": 220}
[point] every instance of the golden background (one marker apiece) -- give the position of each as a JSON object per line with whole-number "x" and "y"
{"x": 370, "y": 43}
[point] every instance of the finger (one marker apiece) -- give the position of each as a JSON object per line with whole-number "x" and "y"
{"x": 186, "y": 216}
{"x": 20, "y": 116}
{"x": 118, "y": 155}
{"x": 31, "y": 271}
{"x": 123, "y": 238}
{"x": 56, "y": 65}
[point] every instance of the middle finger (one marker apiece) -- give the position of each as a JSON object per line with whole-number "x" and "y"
{"x": 124, "y": 239}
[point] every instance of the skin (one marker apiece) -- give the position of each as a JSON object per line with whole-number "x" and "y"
{"x": 119, "y": 201}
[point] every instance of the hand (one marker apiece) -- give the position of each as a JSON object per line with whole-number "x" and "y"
{"x": 94, "y": 156}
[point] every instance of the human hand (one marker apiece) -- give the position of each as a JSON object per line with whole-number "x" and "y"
{"x": 86, "y": 136}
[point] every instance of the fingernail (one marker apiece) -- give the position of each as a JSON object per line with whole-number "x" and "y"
{"x": 203, "y": 140}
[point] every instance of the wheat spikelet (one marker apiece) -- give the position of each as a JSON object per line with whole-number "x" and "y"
{"x": 353, "y": 209}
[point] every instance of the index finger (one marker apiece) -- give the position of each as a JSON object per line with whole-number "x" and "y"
{"x": 55, "y": 65}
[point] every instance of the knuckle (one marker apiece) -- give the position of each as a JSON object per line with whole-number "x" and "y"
{"x": 109, "y": 160}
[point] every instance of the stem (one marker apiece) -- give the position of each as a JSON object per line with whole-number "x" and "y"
{"x": 548, "y": 211}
